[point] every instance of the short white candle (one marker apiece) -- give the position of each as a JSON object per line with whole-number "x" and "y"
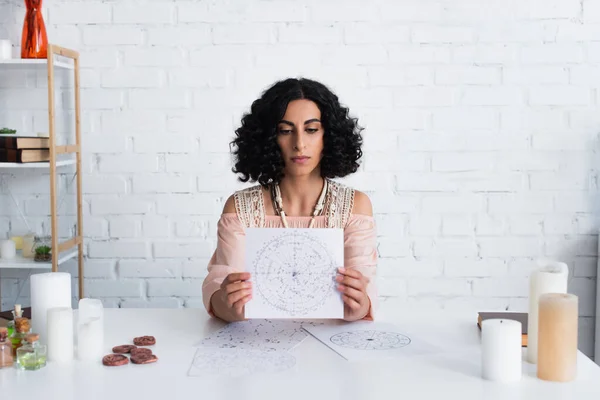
{"x": 8, "y": 249}
{"x": 60, "y": 334}
{"x": 5, "y": 49}
{"x": 90, "y": 340}
{"x": 90, "y": 330}
{"x": 501, "y": 350}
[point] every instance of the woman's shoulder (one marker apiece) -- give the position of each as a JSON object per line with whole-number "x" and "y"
{"x": 362, "y": 204}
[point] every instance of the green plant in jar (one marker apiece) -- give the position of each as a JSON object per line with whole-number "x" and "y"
{"x": 43, "y": 253}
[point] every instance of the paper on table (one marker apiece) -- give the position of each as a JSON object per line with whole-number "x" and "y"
{"x": 257, "y": 334}
{"x": 293, "y": 272}
{"x": 239, "y": 362}
{"x": 363, "y": 340}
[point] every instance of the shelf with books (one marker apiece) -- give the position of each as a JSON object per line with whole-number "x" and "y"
{"x": 50, "y": 155}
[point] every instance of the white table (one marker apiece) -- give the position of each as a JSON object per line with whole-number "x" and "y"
{"x": 319, "y": 372}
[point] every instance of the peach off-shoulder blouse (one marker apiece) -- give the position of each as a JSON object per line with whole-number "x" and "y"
{"x": 360, "y": 250}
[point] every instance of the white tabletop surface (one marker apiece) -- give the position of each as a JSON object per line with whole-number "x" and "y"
{"x": 319, "y": 373}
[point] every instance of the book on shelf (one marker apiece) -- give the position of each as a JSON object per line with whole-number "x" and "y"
{"x": 24, "y": 155}
{"x": 517, "y": 316}
{"x": 24, "y": 142}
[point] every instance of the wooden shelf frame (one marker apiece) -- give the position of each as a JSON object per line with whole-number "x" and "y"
{"x": 77, "y": 240}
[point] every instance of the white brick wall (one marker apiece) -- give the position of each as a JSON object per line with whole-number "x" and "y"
{"x": 482, "y": 126}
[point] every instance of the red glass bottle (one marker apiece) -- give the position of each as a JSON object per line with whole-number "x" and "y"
{"x": 34, "y": 41}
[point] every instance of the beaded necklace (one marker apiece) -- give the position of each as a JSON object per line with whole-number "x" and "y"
{"x": 278, "y": 202}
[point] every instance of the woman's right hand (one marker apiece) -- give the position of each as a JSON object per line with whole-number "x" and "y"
{"x": 236, "y": 291}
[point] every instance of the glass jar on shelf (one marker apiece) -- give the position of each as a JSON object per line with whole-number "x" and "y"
{"x": 28, "y": 245}
{"x": 32, "y": 355}
{"x": 6, "y": 355}
{"x": 42, "y": 249}
{"x": 22, "y": 328}
{"x": 16, "y": 313}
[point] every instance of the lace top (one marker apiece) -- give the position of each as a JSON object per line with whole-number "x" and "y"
{"x": 339, "y": 201}
{"x": 360, "y": 239}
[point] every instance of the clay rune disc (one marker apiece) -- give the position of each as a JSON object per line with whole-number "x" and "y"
{"x": 144, "y": 359}
{"x": 144, "y": 341}
{"x": 114, "y": 360}
{"x": 139, "y": 351}
{"x": 125, "y": 348}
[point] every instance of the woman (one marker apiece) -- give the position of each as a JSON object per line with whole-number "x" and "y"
{"x": 296, "y": 138}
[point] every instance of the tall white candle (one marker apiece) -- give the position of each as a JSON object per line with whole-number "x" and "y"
{"x": 90, "y": 330}
{"x": 60, "y": 334}
{"x": 552, "y": 277}
{"x": 48, "y": 290}
{"x": 501, "y": 350}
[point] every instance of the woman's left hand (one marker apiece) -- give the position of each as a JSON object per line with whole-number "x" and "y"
{"x": 353, "y": 286}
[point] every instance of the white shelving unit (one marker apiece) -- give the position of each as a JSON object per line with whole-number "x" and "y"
{"x": 19, "y": 262}
{"x": 60, "y": 163}
{"x": 20, "y": 62}
{"x": 61, "y": 156}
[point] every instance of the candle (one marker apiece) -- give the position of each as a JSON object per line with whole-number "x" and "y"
{"x": 5, "y": 49}
{"x": 557, "y": 351}
{"x": 550, "y": 278}
{"x": 8, "y": 249}
{"x": 60, "y": 334}
{"x": 501, "y": 350}
{"x": 48, "y": 290}
{"x": 90, "y": 330}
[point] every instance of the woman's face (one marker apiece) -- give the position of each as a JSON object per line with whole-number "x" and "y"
{"x": 300, "y": 137}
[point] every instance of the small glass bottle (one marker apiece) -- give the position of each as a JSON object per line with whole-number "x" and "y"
{"x": 22, "y": 328}
{"x": 6, "y": 355}
{"x": 17, "y": 313}
{"x": 32, "y": 355}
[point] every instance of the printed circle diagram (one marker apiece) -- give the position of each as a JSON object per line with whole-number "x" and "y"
{"x": 294, "y": 273}
{"x": 370, "y": 340}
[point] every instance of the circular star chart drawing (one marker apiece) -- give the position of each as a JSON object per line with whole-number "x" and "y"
{"x": 294, "y": 273}
{"x": 370, "y": 340}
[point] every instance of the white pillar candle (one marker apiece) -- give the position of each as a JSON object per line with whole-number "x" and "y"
{"x": 501, "y": 350}
{"x": 60, "y": 334}
{"x": 90, "y": 330}
{"x": 8, "y": 249}
{"x": 552, "y": 277}
{"x": 5, "y": 49}
{"x": 48, "y": 290}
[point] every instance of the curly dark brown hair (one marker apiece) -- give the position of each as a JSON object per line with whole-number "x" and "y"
{"x": 257, "y": 155}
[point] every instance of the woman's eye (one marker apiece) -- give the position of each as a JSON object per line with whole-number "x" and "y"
{"x": 285, "y": 131}
{"x": 312, "y": 130}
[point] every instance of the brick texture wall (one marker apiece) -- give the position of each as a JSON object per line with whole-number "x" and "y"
{"x": 481, "y": 136}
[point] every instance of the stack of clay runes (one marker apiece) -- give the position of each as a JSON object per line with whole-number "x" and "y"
{"x": 138, "y": 355}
